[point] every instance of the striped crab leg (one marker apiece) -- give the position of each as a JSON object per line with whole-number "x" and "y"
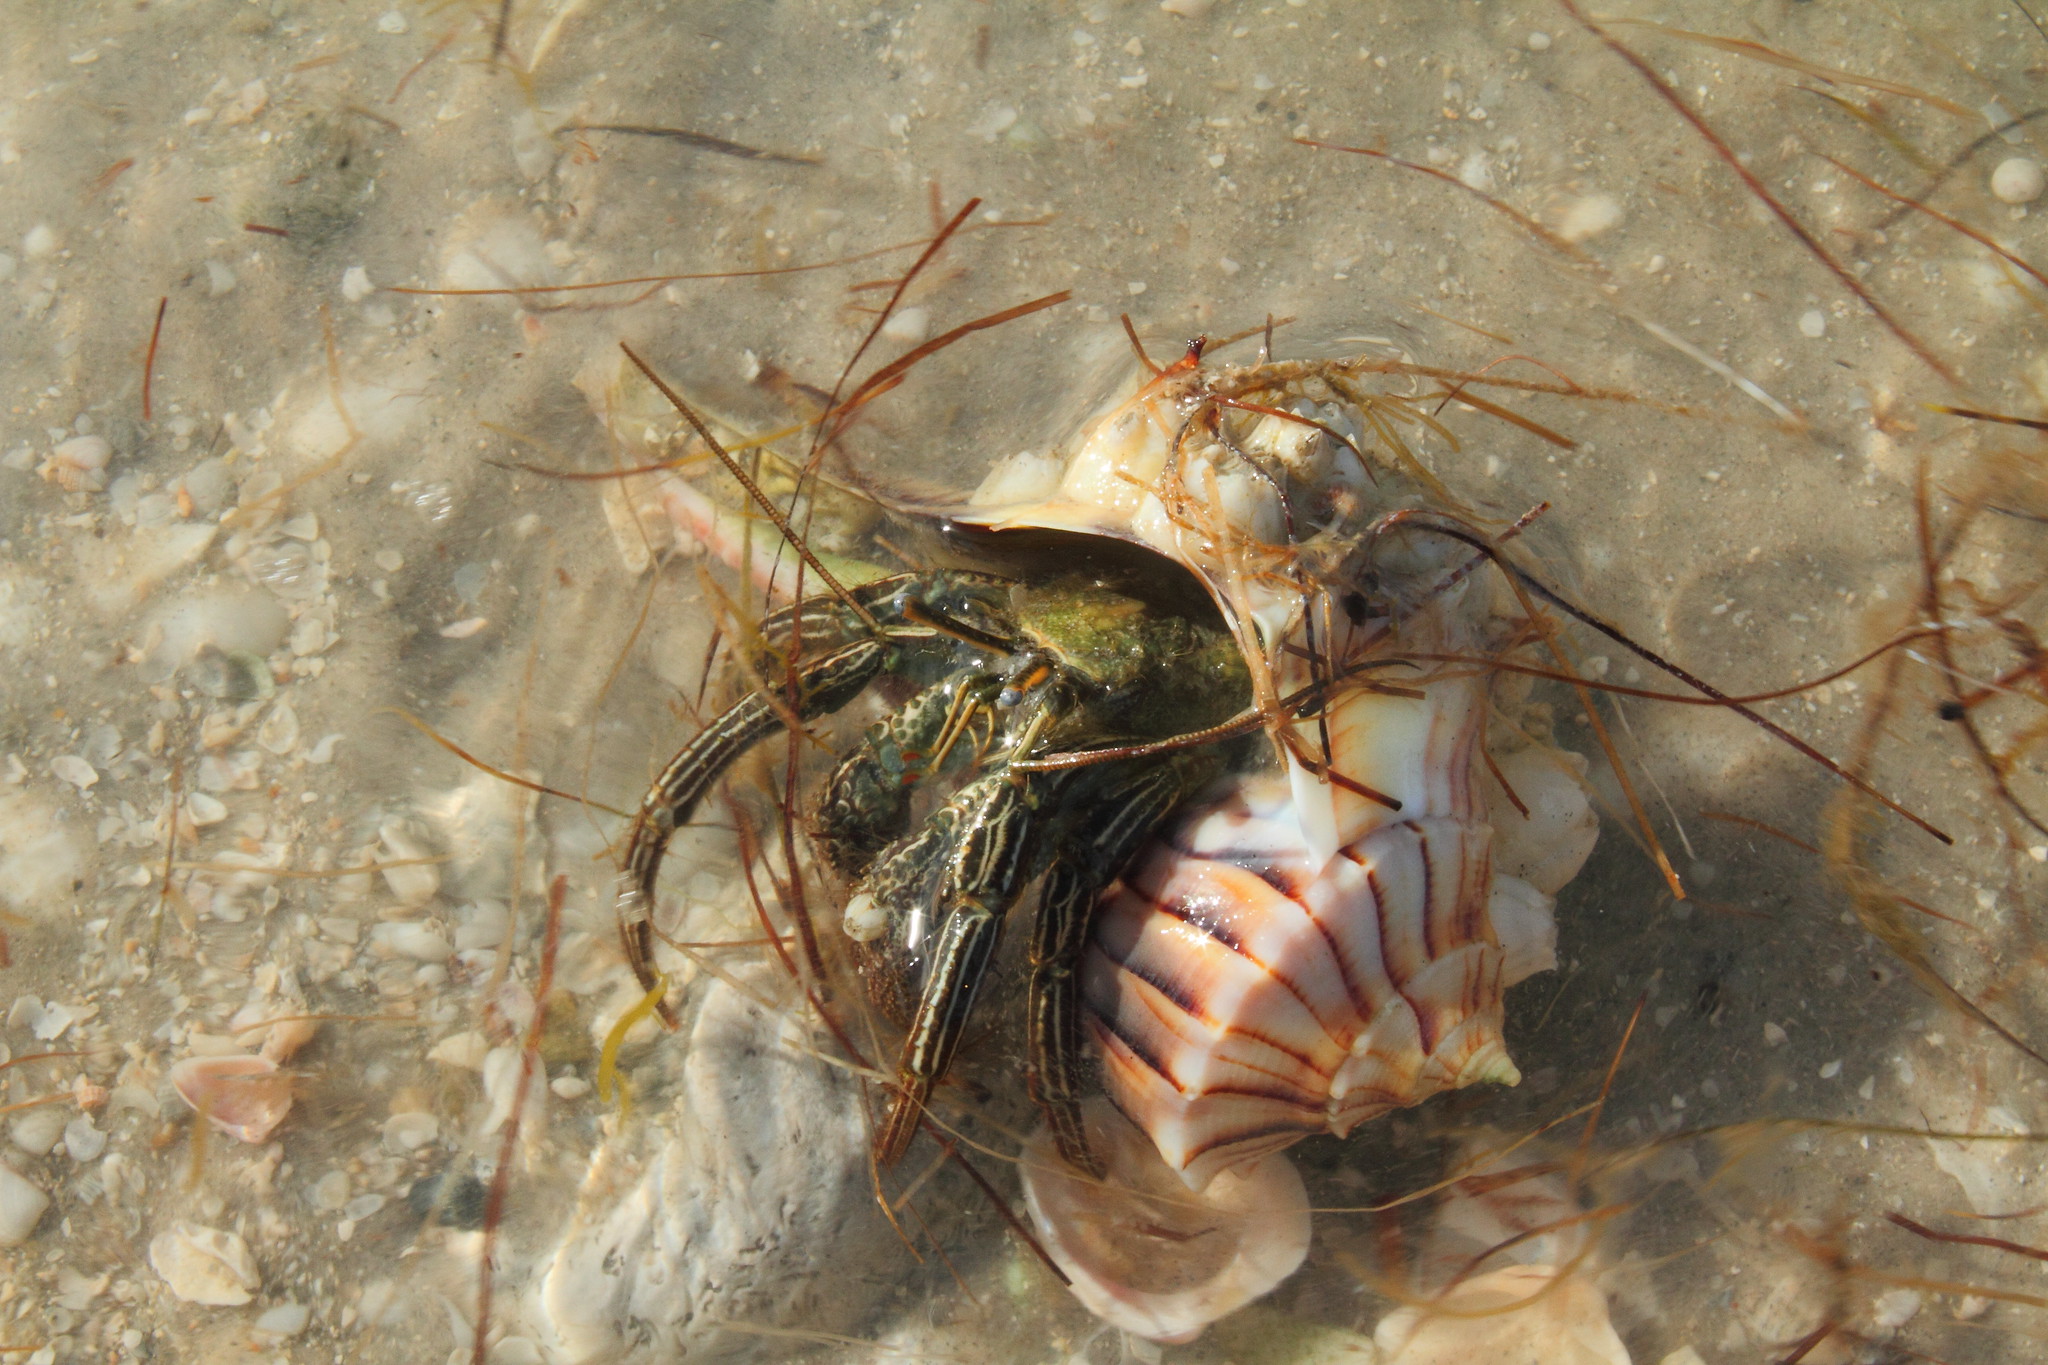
{"x": 1118, "y": 827}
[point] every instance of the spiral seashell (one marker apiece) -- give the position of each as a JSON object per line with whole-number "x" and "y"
{"x": 1306, "y": 952}
{"x": 1242, "y": 999}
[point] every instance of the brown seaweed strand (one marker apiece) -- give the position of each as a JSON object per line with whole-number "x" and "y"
{"x": 1756, "y": 187}
{"x": 529, "y": 1060}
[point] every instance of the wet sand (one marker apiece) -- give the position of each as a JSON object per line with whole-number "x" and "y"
{"x": 327, "y": 516}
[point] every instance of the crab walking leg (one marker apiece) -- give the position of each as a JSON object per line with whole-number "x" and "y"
{"x": 980, "y": 881}
{"x": 822, "y": 687}
{"x": 1116, "y": 826}
{"x": 866, "y": 805}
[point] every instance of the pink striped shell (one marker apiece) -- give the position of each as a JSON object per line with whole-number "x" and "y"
{"x": 1297, "y": 957}
{"x": 1243, "y": 997}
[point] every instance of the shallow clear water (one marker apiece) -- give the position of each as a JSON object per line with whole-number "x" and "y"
{"x": 333, "y": 510}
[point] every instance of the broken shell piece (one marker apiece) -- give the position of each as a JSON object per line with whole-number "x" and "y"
{"x": 1525, "y": 1312}
{"x": 1146, "y": 1254}
{"x": 79, "y": 464}
{"x": 275, "y": 1029}
{"x": 205, "y": 1265}
{"x": 244, "y": 1097}
{"x": 408, "y": 864}
{"x": 1547, "y": 846}
{"x": 21, "y": 1207}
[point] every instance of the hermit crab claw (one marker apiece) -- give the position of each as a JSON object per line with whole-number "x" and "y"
{"x": 1147, "y": 1254}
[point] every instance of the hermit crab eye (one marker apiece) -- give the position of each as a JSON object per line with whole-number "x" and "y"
{"x": 1028, "y": 677}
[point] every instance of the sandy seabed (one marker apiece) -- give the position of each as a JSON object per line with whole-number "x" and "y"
{"x": 255, "y": 501}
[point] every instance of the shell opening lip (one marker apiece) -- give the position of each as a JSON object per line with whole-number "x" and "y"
{"x": 1133, "y": 569}
{"x": 1147, "y": 1254}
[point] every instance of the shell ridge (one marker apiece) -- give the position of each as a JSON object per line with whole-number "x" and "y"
{"x": 1213, "y": 1034}
{"x": 1184, "y": 910}
{"x": 1203, "y": 1060}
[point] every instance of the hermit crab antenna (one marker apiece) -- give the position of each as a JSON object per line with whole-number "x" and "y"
{"x": 761, "y": 500}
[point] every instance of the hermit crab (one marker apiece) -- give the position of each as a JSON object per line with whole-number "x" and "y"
{"x": 1236, "y": 732}
{"x": 1011, "y": 678}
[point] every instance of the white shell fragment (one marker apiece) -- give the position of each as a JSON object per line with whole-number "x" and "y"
{"x": 244, "y": 1097}
{"x": 38, "y": 1130}
{"x": 75, "y": 770}
{"x": 205, "y": 1265}
{"x": 1547, "y": 847}
{"x": 1145, "y": 1253}
{"x": 21, "y": 1207}
{"x": 1521, "y": 1313}
{"x": 415, "y": 879}
{"x": 746, "y": 1200}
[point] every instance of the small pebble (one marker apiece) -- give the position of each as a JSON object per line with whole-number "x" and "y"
{"x": 21, "y": 1205}
{"x": 569, "y": 1087}
{"x": 1539, "y": 41}
{"x": 1830, "y": 1070}
{"x": 391, "y": 21}
{"x": 2017, "y": 180}
{"x": 1813, "y": 323}
{"x": 1588, "y": 217}
{"x": 463, "y": 629}
{"x": 362, "y": 1206}
{"x": 909, "y": 326}
{"x": 1895, "y": 1308}
{"x": 220, "y": 279}
{"x": 1773, "y": 1034}
{"x": 38, "y": 241}
{"x": 355, "y": 284}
